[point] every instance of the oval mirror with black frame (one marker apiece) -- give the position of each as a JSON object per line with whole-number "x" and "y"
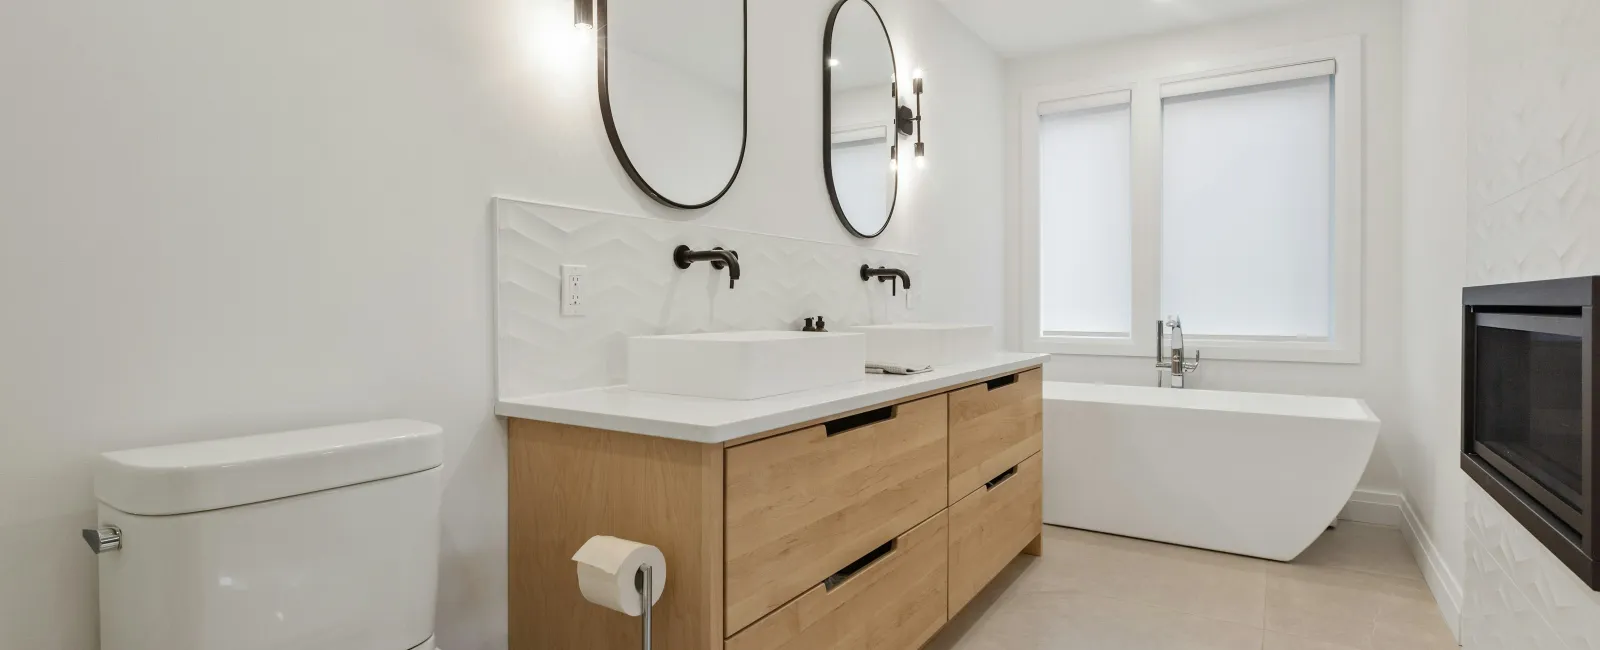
{"x": 673, "y": 94}
{"x": 860, "y": 108}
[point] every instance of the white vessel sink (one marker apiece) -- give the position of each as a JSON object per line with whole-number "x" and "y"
{"x": 744, "y": 365}
{"x": 915, "y": 345}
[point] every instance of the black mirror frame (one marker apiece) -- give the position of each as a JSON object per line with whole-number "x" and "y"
{"x": 602, "y": 33}
{"x": 827, "y": 117}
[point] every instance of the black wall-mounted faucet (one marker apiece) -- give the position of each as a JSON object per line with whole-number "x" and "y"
{"x": 884, "y": 274}
{"x": 684, "y": 257}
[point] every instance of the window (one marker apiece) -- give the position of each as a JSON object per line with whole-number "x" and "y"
{"x": 1085, "y": 229}
{"x": 1230, "y": 197}
{"x": 1247, "y": 187}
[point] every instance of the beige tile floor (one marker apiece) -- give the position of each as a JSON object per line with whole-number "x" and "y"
{"x": 1356, "y": 588}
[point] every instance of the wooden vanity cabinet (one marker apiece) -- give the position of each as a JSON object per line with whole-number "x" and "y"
{"x": 802, "y": 505}
{"x": 993, "y": 426}
{"x": 867, "y": 529}
{"x": 992, "y": 525}
{"x": 895, "y": 601}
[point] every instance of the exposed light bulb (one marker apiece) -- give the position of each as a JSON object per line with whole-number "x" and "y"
{"x": 922, "y": 158}
{"x": 916, "y": 74}
{"x": 833, "y": 63}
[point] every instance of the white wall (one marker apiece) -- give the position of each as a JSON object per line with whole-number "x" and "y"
{"x": 1433, "y": 251}
{"x": 1375, "y": 378}
{"x": 961, "y": 231}
{"x": 227, "y": 218}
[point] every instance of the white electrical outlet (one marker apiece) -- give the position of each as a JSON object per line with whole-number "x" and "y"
{"x": 572, "y": 303}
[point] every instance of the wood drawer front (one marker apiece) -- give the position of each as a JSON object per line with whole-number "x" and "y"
{"x": 803, "y": 504}
{"x": 897, "y": 602}
{"x": 994, "y": 426}
{"x": 991, "y": 526}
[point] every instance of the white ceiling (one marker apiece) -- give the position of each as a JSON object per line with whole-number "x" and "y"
{"x": 1019, "y": 27}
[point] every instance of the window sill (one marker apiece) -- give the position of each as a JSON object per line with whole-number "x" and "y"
{"x": 1219, "y": 349}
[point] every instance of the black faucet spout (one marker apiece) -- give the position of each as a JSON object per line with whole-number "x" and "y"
{"x": 885, "y": 274}
{"x": 684, "y": 257}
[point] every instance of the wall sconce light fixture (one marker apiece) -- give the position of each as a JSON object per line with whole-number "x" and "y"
{"x": 909, "y": 122}
{"x": 583, "y": 14}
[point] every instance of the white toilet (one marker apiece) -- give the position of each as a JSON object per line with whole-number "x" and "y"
{"x": 322, "y": 539}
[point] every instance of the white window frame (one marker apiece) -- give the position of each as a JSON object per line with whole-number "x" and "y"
{"x": 1344, "y": 342}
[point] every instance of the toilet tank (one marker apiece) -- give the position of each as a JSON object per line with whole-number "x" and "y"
{"x": 320, "y": 539}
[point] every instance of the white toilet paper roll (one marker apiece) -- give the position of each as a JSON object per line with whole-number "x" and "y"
{"x": 607, "y": 567}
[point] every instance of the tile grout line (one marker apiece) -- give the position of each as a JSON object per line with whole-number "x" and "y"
{"x": 1542, "y": 179}
{"x": 1377, "y": 574}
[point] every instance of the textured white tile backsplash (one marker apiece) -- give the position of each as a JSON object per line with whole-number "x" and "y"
{"x": 633, "y": 289}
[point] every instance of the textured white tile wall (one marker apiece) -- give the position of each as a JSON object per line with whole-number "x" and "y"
{"x": 634, "y": 289}
{"x": 1496, "y": 615}
{"x": 1535, "y": 107}
{"x": 1518, "y": 594}
{"x": 1534, "y": 172}
{"x": 1546, "y": 230}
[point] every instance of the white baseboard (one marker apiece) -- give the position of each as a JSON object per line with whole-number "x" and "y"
{"x": 1374, "y": 507}
{"x": 1392, "y": 509}
{"x": 1445, "y": 586}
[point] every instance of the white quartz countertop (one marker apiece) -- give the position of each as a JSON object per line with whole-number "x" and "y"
{"x": 711, "y": 421}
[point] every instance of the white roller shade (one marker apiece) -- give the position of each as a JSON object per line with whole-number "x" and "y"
{"x": 1247, "y": 210}
{"x": 1086, "y": 222}
{"x": 1086, "y": 102}
{"x": 1323, "y": 68}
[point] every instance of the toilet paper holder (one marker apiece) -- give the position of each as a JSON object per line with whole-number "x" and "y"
{"x": 613, "y": 571}
{"x": 645, "y": 580}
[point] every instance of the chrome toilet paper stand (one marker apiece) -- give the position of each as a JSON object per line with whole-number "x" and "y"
{"x": 646, "y": 583}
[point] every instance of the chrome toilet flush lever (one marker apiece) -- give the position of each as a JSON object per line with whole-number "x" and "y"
{"x": 1173, "y": 363}
{"x": 104, "y": 539}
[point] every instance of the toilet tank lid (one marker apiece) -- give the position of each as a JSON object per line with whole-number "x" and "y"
{"x": 199, "y": 476}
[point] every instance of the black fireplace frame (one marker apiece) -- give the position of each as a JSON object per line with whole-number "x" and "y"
{"x": 1572, "y": 534}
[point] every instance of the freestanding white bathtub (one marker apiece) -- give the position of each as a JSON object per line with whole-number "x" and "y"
{"x": 1247, "y": 473}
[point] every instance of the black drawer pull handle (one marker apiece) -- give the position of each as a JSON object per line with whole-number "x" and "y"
{"x": 1001, "y": 382}
{"x": 864, "y": 418}
{"x": 1003, "y": 477}
{"x": 857, "y": 566}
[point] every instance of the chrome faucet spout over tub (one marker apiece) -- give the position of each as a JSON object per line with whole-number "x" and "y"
{"x": 1174, "y": 363}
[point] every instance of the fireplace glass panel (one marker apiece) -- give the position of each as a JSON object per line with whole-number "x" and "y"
{"x": 1529, "y": 402}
